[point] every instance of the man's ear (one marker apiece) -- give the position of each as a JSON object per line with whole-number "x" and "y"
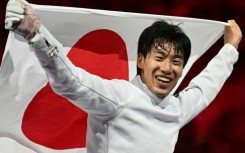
{"x": 140, "y": 61}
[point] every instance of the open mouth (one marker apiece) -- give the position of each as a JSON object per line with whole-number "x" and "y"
{"x": 164, "y": 79}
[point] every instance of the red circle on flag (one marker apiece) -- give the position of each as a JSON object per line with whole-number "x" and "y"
{"x": 51, "y": 120}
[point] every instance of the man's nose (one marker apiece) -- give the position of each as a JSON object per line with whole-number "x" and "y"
{"x": 166, "y": 66}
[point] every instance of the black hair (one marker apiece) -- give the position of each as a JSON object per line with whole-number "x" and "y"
{"x": 163, "y": 32}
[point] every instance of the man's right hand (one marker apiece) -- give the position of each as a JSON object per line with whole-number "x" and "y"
{"x": 22, "y": 18}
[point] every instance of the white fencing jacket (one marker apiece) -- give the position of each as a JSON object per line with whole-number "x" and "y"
{"x": 125, "y": 117}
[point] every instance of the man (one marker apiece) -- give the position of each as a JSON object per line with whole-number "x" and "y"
{"x": 139, "y": 116}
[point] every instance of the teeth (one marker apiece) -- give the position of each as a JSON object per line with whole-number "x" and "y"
{"x": 163, "y": 79}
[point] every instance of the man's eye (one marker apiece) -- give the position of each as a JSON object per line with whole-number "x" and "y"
{"x": 159, "y": 58}
{"x": 177, "y": 62}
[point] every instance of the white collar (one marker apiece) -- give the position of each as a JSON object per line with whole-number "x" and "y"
{"x": 162, "y": 102}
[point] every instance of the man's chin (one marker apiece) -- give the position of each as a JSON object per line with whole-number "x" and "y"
{"x": 162, "y": 93}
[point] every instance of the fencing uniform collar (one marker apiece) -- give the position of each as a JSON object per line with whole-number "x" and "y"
{"x": 138, "y": 82}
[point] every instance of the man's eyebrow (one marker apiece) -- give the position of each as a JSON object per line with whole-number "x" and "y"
{"x": 164, "y": 52}
{"x": 179, "y": 56}
{"x": 161, "y": 51}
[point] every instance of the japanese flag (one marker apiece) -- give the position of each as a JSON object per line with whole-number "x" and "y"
{"x": 103, "y": 43}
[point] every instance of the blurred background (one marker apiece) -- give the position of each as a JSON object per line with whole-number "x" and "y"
{"x": 221, "y": 127}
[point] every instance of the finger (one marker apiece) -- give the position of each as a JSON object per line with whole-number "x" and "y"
{"x": 15, "y": 7}
{"x": 231, "y": 22}
{"x": 10, "y": 22}
{"x": 11, "y": 15}
{"x": 11, "y": 1}
{"x": 23, "y": 2}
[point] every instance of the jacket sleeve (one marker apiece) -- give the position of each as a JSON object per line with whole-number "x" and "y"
{"x": 91, "y": 93}
{"x": 204, "y": 87}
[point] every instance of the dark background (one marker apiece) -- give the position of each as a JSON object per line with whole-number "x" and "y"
{"x": 218, "y": 129}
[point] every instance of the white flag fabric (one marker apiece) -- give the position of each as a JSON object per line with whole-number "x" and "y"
{"x": 8, "y": 145}
{"x": 103, "y": 43}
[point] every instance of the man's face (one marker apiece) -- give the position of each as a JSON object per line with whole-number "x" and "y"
{"x": 161, "y": 69}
